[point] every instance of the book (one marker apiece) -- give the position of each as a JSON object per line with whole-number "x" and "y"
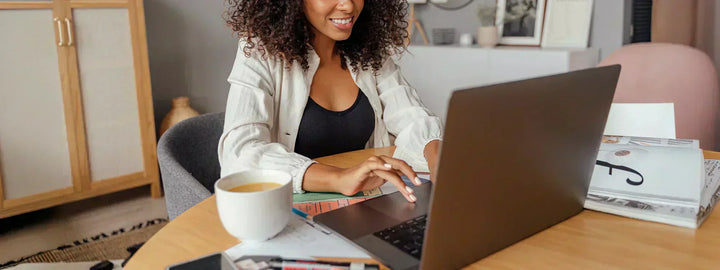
{"x": 654, "y": 179}
{"x": 314, "y": 203}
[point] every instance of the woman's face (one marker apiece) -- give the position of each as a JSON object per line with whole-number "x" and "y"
{"x": 333, "y": 18}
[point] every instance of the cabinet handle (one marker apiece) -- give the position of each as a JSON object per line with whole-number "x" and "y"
{"x": 60, "y": 31}
{"x": 70, "y": 31}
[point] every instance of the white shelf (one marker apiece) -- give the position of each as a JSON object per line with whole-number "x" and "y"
{"x": 436, "y": 71}
{"x": 497, "y": 48}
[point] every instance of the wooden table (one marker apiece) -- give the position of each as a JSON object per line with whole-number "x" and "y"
{"x": 589, "y": 240}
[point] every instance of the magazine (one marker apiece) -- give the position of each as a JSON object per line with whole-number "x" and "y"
{"x": 661, "y": 180}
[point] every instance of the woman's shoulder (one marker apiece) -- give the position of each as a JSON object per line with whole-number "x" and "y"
{"x": 250, "y": 51}
{"x": 250, "y": 63}
{"x": 388, "y": 67}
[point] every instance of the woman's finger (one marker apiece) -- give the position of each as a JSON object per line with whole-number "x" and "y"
{"x": 403, "y": 167}
{"x": 398, "y": 182}
{"x": 375, "y": 164}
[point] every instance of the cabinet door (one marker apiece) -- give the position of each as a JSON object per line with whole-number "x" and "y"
{"x": 35, "y": 151}
{"x": 109, "y": 88}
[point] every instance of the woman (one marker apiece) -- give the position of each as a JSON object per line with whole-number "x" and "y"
{"x": 314, "y": 78}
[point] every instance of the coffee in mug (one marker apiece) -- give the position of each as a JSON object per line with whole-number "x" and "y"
{"x": 254, "y": 187}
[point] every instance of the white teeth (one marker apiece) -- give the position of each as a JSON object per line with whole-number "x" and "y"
{"x": 341, "y": 21}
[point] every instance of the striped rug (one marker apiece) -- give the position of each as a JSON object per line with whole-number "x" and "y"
{"x": 105, "y": 246}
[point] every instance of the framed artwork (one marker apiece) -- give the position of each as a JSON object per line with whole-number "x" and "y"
{"x": 520, "y": 22}
{"x": 567, "y": 23}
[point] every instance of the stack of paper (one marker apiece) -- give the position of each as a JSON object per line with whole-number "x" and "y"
{"x": 652, "y": 176}
{"x": 294, "y": 242}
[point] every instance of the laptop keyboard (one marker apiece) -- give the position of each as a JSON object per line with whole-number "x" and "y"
{"x": 407, "y": 236}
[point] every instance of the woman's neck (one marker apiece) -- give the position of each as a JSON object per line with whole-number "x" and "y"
{"x": 325, "y": 48}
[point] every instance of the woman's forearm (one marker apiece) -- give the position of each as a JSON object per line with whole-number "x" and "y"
{"x": 431, "y": 156}
{"x": 431, "y": 151}
{"x": 321, "y": 178}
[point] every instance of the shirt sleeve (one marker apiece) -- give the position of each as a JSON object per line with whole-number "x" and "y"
{"x": 246, "y": 142}
{"x": 406, "y": 117}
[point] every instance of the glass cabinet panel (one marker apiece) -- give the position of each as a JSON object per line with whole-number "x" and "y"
{"x": 34, "y": 155}
{"x": 109, "y": 92}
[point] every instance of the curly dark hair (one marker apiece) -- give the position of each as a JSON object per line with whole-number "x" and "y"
{"x": 284, "y": 31}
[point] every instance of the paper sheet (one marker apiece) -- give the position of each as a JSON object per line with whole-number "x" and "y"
{"x": 302, "y": 239}
{"x": 642, "y": 120}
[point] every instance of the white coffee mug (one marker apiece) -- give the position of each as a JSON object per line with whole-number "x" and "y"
{"x": 254, "y": 216}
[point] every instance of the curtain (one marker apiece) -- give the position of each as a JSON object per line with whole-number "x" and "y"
{"x": 691, "y": 22}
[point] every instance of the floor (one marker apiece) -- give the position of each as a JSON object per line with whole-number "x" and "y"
{"x": 46, "y": 229}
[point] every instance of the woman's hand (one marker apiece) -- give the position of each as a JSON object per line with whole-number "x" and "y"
{"x": 374, "y": 172}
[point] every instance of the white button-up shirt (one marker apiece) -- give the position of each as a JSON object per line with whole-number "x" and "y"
{"x": 266, "y": 103}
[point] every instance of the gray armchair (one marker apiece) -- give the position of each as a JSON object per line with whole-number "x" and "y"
{"x": 188, "y": 159}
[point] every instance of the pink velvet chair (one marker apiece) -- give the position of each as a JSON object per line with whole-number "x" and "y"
{"x": 662, "y": 72}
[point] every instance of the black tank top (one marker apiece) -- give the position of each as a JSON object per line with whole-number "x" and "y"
{"x": 323, "y": 132}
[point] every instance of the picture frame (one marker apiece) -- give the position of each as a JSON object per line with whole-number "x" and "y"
{"x": 520, "y": 22}
{"x": 567, "y": 23}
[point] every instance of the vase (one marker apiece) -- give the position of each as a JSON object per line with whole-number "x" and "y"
{"x": 487, "y": 36}
{"x": 179, "y": 111}
{"x": 466, "y": 40}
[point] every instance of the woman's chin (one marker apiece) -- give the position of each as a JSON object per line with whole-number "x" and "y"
{"x": 340, "y": 37}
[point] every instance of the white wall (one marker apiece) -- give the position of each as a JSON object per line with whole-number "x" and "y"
{"x": 610, "y": 25}
{"x": 191, "y": 53}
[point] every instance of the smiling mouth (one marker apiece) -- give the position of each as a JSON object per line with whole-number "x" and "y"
{"x": 342, "y": 21}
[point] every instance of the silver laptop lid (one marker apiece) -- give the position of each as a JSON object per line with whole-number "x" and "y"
{"x": 516, "y": 159}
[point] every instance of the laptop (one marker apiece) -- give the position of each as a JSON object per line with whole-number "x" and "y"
{"x": 516, "y": 159}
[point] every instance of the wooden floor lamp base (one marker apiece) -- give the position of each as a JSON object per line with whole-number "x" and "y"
{"x": 414, "y": 21}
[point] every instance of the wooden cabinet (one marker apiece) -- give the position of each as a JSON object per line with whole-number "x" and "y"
{"x": 76, "y": 116}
